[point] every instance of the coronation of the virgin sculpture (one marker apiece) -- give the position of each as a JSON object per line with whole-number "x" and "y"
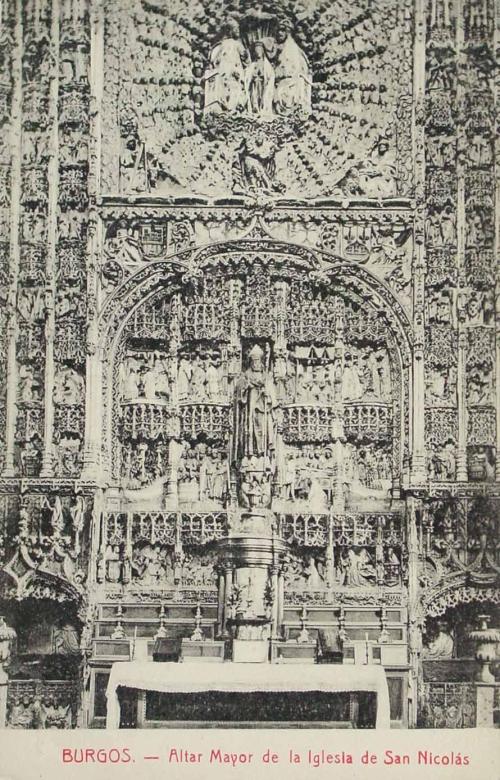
{"x": 249, "y": 361}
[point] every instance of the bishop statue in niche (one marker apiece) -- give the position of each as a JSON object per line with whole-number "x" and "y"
{"x": 255, "y": 405}
{"x": 257, "y": 68}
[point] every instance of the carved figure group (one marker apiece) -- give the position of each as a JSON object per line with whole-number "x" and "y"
{"x": 68, "y": 387}
{"x": 152, "y": 564}
{"x": 310, "y": 475}
{"x": 39, "y": 712}
{"x": 269, "y": 76}
{"x": 368, "y": 467}
{"x": 202, "y": 474}
{"x": 363, "y": 374}
{"x": 143, "y": 464}
{"x": 144, "y": 378}
{"x": 357, "y": 568}
{"x": 200, "y": 378}
{"x": 306, "y": 573}
{"x": 255, "y": 485}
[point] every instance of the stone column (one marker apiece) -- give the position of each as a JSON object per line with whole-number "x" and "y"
{"x": 4, "y": 685}
{"x": 275, "y": 613}
{"x": 330, "y": 556}
{"x": 461, "y": 474}
{"x": 14, "y": 250}
{"x": 281, "y": 597}
{"x": 93, "y": 410}
{"x": 93, "y": 378}
{"x": 485, "y": 697}
{"x": 414, "y": 609}
{"x": 7, "y": 637}
{"x": 496, "y": 253}
{"x": 228, "y": 584}
{"x": 418, "y": 472}
{"x": 220, "y": 600}
{"x": 50, "y": 266}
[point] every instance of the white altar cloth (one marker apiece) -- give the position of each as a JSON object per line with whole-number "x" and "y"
{"x": 171, "y": 677}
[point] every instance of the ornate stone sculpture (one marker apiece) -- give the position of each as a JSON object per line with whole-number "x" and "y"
{"x": 255, "y": 404}
{"x": 224, "y": 78}
{"x": 270, "y": 76}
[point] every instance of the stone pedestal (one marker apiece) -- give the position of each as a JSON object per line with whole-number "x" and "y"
{"x": 251, "y": 559}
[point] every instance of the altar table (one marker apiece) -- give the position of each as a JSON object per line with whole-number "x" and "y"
{"x": 171, "y": 677}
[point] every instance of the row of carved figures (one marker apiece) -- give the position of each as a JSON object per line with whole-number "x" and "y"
{"x": 155, "y": 564}
{"x": 312, "y": 474}
{"x": 363, "y": 374}
{"x": 353, "y": 567}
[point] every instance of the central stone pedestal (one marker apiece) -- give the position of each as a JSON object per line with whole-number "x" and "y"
{"x": 252, "y": 599}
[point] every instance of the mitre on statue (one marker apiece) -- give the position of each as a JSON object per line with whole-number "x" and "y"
{"x": 256, "y": 354}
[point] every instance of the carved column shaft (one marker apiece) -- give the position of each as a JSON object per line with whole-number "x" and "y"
{"x": 414, "y": 633}
{"x": 418, "y": 470}
{"x": 50, "y": 266}
{"x": 461, "y": 474}
{"x": 93, "y": 412}
{"x": 228, "y": 584}
{"x": 275, "y": 607}
{"x": 93, "y": 381}
{"x": 220, "y": 601}
{"x": 496, "y": 253}
{"x": 14, "y": 251}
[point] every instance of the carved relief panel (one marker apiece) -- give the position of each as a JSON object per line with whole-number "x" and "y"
{"x": 231, "y": 109}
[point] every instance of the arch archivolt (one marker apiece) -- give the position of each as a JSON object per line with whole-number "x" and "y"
{"x": 452, "y": 594}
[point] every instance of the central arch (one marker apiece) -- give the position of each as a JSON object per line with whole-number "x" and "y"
{"x": 284, "y": 263}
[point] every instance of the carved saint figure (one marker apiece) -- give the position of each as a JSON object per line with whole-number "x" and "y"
{"x": 442, "y": 645}
{"x": 358, "y": 568}
{"x": 225, "y": 74}
{"x": 66, "y": 641}
{"x": 292, "y": 76}
{"x": 259, "y": 82}
{"x": 255, "y": 403}
{"x": 351, "y": 384}
{"x": 255, "y": 167}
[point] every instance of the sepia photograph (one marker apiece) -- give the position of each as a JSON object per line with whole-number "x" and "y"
{"x": 249, "y": 366}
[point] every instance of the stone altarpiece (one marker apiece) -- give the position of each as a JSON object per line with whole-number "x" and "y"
{"x": 248, "y": 333}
